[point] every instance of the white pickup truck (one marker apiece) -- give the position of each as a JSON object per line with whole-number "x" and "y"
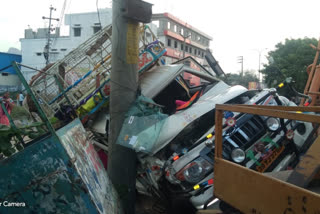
{"x": 181, "y": 162}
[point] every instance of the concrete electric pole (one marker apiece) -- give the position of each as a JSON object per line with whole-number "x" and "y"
{"x": 126, "y": 15}
{"x": 240, "y": 60}
{"x": 47, "y": 47}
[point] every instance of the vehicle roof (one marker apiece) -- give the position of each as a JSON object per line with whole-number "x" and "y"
{"x": 157, "y": 78}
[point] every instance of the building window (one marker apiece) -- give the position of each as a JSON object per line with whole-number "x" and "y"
{"x": 169, "y": 42}
{"x": 175, "y": 28}
{"x": 54, "y": 49}
{"x": 156, "y": 23}
{"x": 181, "y": 31}
{"x": 190, "y": 50}
{"x": 186, "y": 48}
{"x": 63, "y": 49}
{"x": 192, "y": 36}
{"x": 168, "y": 25}
{"x": 77, "y": 32}
{"x": 195, "y": 52}
{"x": 175, "y": 44}
{"x": 182, "y": 47}
{"x": 5, "y": 74}
{"x": 96, "y": 29}
{"x": 38, "y": 53}
{"x": 202, "y": 54}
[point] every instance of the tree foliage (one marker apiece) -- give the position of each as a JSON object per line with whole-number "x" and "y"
{"x": 290, "y": 59}
{"x": 237, "y": 79}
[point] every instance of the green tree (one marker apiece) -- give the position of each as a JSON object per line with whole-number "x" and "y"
{"x": 237, "y": 79}
{"x": 290, "y": 59}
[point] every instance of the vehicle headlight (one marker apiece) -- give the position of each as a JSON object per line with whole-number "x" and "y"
{"x": 273, "y": 124}
{"x": 238, "y": 155}
{"x": 194, "y": 171}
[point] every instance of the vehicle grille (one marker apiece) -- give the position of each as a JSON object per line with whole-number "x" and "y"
{"x": 250, "y": 128}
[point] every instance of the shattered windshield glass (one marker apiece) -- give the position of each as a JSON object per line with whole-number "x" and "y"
{"x": 142, "y": 125}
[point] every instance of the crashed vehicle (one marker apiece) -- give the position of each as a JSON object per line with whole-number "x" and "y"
{"x": 181, "y": 161}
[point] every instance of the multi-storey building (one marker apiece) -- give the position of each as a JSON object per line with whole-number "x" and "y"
{"x": 81, "y": 27}
{"x": 9, "y": 80}
{"x": 180, "y": 38}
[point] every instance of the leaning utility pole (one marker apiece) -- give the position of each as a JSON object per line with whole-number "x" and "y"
{"x": 126, "y": 15}
{"x": 47, "y": 47}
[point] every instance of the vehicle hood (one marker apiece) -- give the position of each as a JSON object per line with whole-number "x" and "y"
{"x": 157, "y": 78}
{"x": 219, "y": 94}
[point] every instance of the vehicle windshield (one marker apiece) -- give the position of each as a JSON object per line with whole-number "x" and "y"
{"x": 192, "y": 80}
{"x": 182, "y": 91}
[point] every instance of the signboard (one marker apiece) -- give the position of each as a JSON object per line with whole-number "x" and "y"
{"x": 87, "y": 163}
{"x": 252, "y": 85}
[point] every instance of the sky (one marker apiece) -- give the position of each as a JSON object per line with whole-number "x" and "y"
{"x": 238, "y": 27}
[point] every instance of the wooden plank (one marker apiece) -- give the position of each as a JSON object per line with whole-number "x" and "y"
{"x": 308, "y": 166}
{"x": 252, "y": 192}
{"x": 286, "y": 108}
{"x": 269, "y": 112}
{"x": 314, "y": 93}
{"x": 218, "y": 133}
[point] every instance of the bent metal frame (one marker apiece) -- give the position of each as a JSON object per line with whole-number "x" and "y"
{"x": 253, "y": 192}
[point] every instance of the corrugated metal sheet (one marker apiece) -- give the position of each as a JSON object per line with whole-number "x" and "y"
{"x": 5, "y": 61}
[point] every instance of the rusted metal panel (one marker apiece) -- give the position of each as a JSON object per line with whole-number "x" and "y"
{"x": 308, "y": 166}
{"x": 252, "y": 192}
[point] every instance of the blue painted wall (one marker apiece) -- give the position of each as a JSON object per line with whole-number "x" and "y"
{"x": 61, "y": 174}
{"x": 6, "y": 59}
{"x": 43, "y": 180}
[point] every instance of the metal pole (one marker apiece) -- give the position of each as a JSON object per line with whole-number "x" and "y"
{"x": 184, "y": 43}
{"x": 242, "y": 67}
{"x": 259, "y": 67}
{"x": 240, "y": 60}
{"x": 33, "y": 97}
{"x": 49, "y": 32}
{"x": 184, "y": 46}
{"x": 124, "y": 84}
{"x": 47, "y": 47}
